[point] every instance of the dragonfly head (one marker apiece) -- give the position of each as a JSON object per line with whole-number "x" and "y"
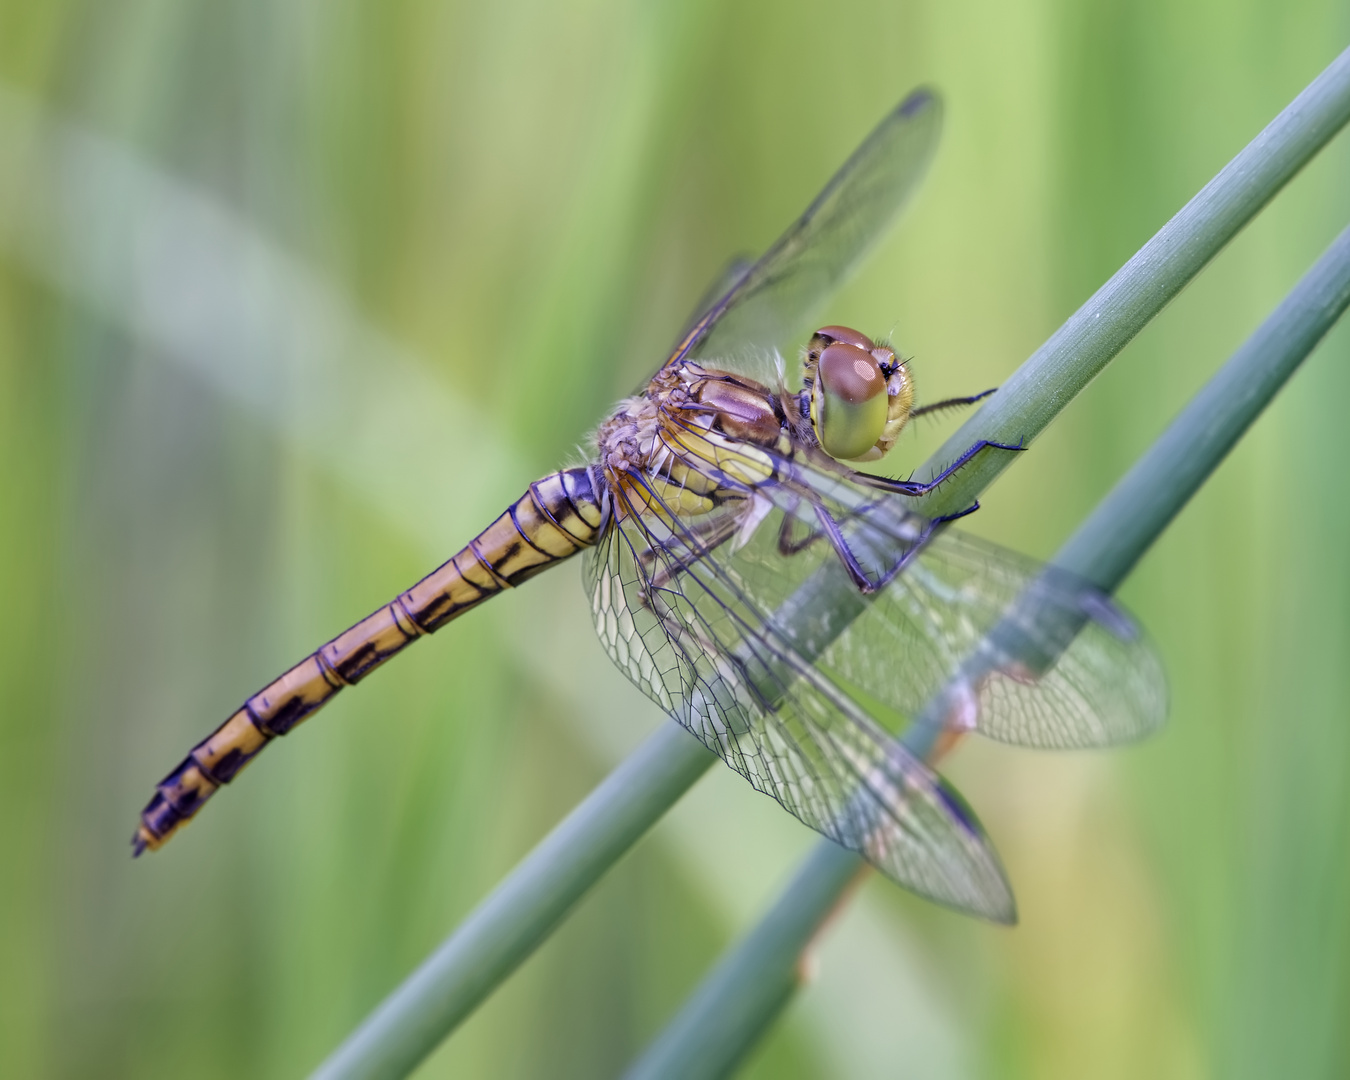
{"x": 860, "y": 394}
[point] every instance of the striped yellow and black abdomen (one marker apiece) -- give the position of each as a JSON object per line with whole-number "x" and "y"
{"x": 557, "y": 517}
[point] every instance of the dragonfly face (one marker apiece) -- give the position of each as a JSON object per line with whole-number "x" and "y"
{"x": 860, "y": 395}
{"x": 765, "y": 594}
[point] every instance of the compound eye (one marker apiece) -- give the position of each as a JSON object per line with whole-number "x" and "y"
{"x": 848, "y": 402}
{"x": 845, "y": 334}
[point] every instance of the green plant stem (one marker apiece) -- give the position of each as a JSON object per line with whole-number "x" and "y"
{"x": 522, "y": 911}
{"x": 1106, "y": 546}
{"x": 744, "y": 994}
{"x": 1076, "y": 353}
{"x": 436, "y": 997}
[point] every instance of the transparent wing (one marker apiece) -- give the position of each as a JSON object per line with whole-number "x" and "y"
{"x": 745, "y": 624}
{"x": 679, "y": 617}
{"x": 1021, "y": 652}
{"x": 773, "y": 302}
{"x": 731, "y": 276}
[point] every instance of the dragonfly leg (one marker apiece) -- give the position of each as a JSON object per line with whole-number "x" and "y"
{"x": 949, "y": 403}
{"x": 788, "y": 544}
{"x": 865, "y": 584}
{"x": 954, "y": 517}
{"x": 916, "y": 487}
{"x": 855, "y": 570}
{"x": 927, "y": 532}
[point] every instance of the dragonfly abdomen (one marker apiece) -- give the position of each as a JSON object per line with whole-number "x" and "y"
{"x": 555, "y": 518}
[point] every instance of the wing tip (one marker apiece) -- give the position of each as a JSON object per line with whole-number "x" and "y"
{"x": 919, "y": 99}
{"x": 1006, "y": 915}
{"x": 993, "y": 899}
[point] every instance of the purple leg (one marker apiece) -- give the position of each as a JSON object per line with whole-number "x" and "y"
{"x": 866, "y": 585}
{"x": 914, "y": 487}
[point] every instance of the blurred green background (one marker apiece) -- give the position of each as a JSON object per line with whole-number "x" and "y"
{"x": 295, "y": 297}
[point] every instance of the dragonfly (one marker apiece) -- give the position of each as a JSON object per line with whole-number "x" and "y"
{"x": 766, "y": 593}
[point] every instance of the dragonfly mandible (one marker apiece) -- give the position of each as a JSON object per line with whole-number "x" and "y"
{"x": 718, "y": 500}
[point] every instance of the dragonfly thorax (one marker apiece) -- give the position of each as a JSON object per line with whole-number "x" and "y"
{"x": 740, "y": 409}
{"x": 692, "y": 399}
{"x": 690, "y": 442}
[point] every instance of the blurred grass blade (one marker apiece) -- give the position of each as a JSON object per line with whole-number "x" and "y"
{"x": 437, "y": 997}
{"x": 522, "y": 911}
{"x": 743, "y": 995}
{"x": 179, "y": 269}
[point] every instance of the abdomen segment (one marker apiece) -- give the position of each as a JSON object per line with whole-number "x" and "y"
{"x": 557, "y": 517}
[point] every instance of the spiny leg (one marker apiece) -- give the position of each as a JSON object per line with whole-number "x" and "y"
{"x": 788, "y": 545}
{"x": 950, "y": 403}
{"x": 954, "y": 517}
{"x": 916, "y": 487}
{"x": 865, "y": 584}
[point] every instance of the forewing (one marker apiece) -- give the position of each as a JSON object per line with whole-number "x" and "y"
{"x": 690, "y": 616}
{"x": 726, "y": 282}
{"x": 1022, "y": 652}
{"x": 772, "y": 304}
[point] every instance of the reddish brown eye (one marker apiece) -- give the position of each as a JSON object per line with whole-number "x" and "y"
{"x": 851, "y": 374}
{"x": 849, "y": 401}
{"x": 847, "y": 335}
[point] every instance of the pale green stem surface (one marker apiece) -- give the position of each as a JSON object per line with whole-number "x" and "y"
{"x": 530, "y": 902}
{"x": 1077, "y": 352}
{"x": 743, "y": 995}
{"x": 523, "y": 910}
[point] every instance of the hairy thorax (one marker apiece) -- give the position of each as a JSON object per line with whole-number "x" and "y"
{"x": 694, "y": 439}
